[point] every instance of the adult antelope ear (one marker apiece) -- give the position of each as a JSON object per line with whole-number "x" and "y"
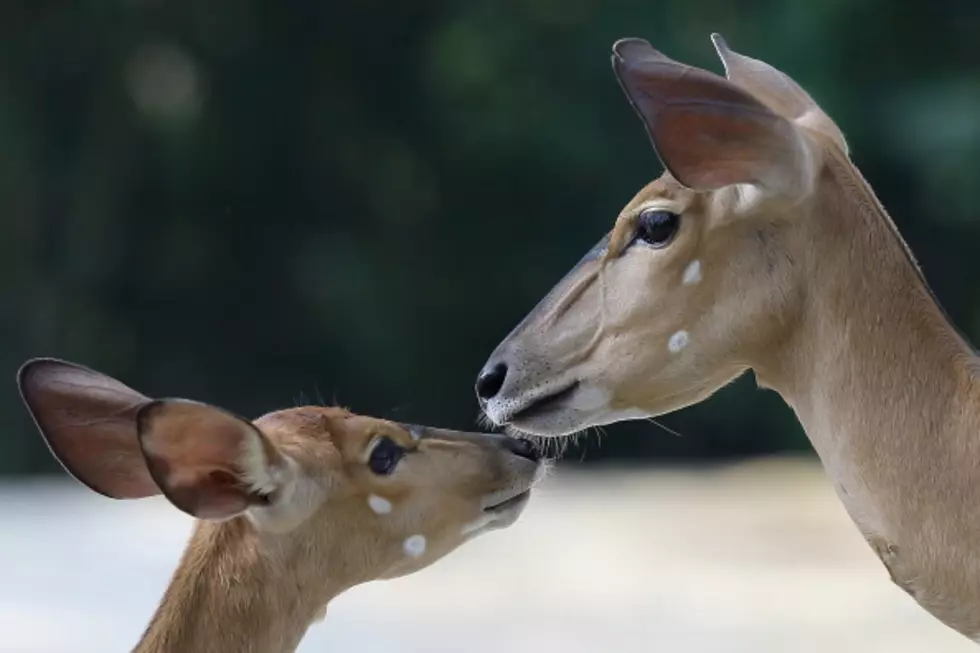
{"x": 88, "y": 421}
{"x": 208, "y": 462}
{"x": 708, "y": 132}
{"x": 777, "y": 91}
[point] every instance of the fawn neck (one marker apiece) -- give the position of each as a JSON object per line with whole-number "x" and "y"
{"x": 237, "y": 589}
{"x": 884, "y": 386}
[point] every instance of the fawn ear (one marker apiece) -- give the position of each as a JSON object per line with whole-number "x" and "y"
{"x": 708, "y": 132}
{"x": 88, "y": 421}
{"x": 208, "y": 462}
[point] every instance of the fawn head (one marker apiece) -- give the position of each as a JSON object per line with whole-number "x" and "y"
{"x": 375, "y": 498}
{"x": 700, "y": 270}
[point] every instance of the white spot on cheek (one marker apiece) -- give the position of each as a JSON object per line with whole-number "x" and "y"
{"x": 379, "y": 505}
{"x": 590, "y": 399}
{"x": 693, "y": 273}
{"x": 678, "y": 341}
{"x": 415, "y": 432}
{"x": 414, "y": 546}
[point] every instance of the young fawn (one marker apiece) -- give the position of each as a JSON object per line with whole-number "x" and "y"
{"x": 293, "y": 508}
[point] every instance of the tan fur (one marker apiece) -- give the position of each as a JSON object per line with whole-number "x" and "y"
{"x": 239, "y": 588}
{"x": 818, "y": 294}
{"x": 258, "y": 572}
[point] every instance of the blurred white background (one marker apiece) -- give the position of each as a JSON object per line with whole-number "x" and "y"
{"x": 758, "y": 557}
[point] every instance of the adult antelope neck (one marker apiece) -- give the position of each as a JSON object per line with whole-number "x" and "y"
{"x": 887, "y": 391}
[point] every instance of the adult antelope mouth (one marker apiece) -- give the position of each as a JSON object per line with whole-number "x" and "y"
{"x": 544, "y": 405}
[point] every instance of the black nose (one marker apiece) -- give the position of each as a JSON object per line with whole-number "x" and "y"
{"x": 523, "y": 448}
{"x": 490, "y": 381}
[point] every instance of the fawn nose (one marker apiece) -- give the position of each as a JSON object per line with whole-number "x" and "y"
{"x": 523, "y": 448}
{"x": 490, "y": 380}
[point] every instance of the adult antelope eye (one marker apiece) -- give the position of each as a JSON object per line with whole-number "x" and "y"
{"x": 385, "y": 456}
{"x": 657, "y": 227}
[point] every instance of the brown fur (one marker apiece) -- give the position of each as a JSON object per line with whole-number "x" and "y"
{"x": 806, "y": 281}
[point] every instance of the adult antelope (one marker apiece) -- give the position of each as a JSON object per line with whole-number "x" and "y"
{"x": 762, "y": 247}
{"x": 294, "y": 508}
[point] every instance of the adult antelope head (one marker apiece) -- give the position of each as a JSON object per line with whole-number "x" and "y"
{"x": 699, "y": 277}
{"x": 762, "y": 247}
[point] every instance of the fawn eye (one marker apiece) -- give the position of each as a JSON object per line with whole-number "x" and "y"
{"x": 385, "y": 456}
{"x": 657, "y": 227}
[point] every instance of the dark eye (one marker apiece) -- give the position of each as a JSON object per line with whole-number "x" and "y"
{"x": 657, "y": 227}
{"x": 385, "y": 456}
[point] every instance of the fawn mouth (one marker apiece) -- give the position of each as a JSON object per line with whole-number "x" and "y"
{"x": 507, "y": 504}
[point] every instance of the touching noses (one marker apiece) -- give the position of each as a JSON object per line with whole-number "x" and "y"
{"x": 491, "y": 380}
{"x": 523, "y": 448}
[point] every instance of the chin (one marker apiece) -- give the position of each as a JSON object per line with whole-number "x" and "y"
{"x": 496, "y": 519}
{"x": 502, "y": 508}
{"x": 548, "y": 426}
{"x": 570, "y": 422}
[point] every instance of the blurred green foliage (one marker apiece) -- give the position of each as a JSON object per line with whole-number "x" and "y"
{"x": 260, "y": 203}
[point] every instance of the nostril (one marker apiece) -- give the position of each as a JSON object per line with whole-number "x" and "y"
{"x": 490, "y": 381}
{"x": 523, "y": 448}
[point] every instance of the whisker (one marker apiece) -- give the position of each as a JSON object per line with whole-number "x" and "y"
{"x": 600, "y": 433}
{"x": 665, "y": 428}
{"x": 485, "y": 423}
{"x": 318, "y": 395}
{"x": 397, "y": 408}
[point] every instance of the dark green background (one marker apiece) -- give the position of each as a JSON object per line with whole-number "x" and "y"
{"x": 257, "y": 203}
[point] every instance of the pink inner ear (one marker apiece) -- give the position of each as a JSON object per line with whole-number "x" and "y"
{"x": 88, "y": 420}
{"x": 203, "y": 458}
{"x": 708, "y": 132}
{"x": 711, "y": 149}
{"x": 117, "y": 465}
{"x": 203, "y": 493}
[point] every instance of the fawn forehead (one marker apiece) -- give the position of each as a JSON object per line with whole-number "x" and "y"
{"x": 336, "y": 428}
